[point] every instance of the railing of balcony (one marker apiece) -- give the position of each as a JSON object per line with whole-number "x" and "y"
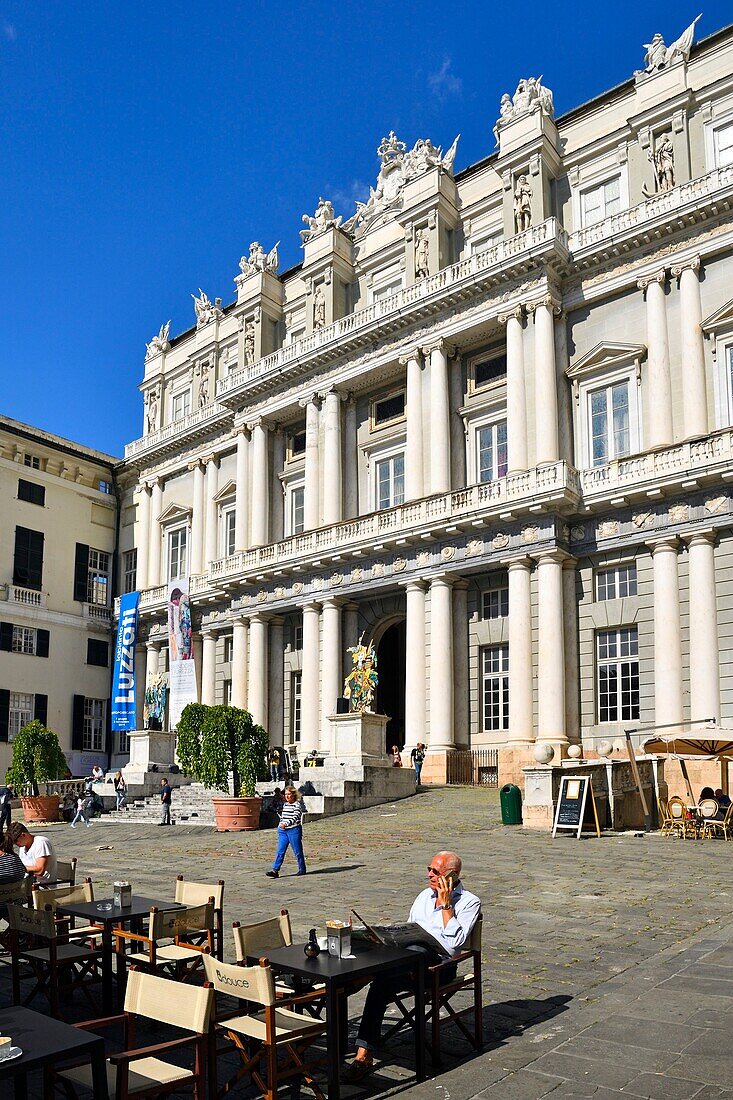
{"x": 637, "y": 469}
{"x": 178, "y": 428}
{"x": 97, "y": 613}
{"x": 27, "y": 596}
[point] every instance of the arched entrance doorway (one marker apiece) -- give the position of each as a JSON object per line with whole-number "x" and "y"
{"x": 391, "y": 686}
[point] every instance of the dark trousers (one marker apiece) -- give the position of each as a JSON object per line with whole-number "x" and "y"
{"x": 166, "y": 819}
{"x": 382, "y": 993}
{"x": 5, "y": 817}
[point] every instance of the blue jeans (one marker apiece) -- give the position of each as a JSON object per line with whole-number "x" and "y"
{"x": 293, "y": 837}
{"x": 418, "y": 769}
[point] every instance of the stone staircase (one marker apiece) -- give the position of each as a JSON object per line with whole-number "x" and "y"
{"x": 191, "y": 805}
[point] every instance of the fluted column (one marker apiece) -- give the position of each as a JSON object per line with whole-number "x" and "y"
{"x": 415, "y": 671}
{"x": 414, "y": 482}
{"x": 240, "y": 638}
{"x": 461, "y": 720}
{"x": 570, "y": 639}
{"x": 516, "y": 395}
{"x": 212, "y": 525}
{"x": 156, "y": 507}
{"x": 350, "y": 634}
{"x": 311, "y": 505}
{"x": 257, "y": 690}
{"x": 260, "y": 476}
{"x": 332, "y": 451}
{"x": 660, "y": 386}
{"x": 351, "y": 471}
{"x": 546, "y": 418}
{"x": 520, "y": 652}
{"x": 142, "y": 539}
{"x": 331, "y": 668}
{"x": 551, "y": 649}
{"x": 667, "y": 634}
{"x": 704, "y": 648}
{"x": 141, "y": 678}
{"x": 197, "y": 519}
{"x": 275, "y": 709}
{"x": 241, "y": 505}
{"x": 440, "y": 462}
{"x": 695, "y": 404}
{"x": 442, "y": 734}
{"x": 208, "y": 670}
{"x": 310, "y": 679}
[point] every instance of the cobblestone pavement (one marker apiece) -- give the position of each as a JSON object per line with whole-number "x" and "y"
{"x": 607, "y": 964}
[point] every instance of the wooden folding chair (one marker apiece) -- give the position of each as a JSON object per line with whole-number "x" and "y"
{"x": 65, "y": 872}
{"x": 185, "y": 927}
{"x": 12, "y": 893}
{"x": 69, "y": 895}
{"x": 57, "y": 965}
{"x": 140, "y": 1071}
{"x": 272, "y": 1042}
{"x": 253, "y": 941}
{"x": 198, "y": 893}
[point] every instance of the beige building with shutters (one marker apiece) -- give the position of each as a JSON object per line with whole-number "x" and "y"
{"x": 57, "y": 552}
{"x": 487, "y": 421}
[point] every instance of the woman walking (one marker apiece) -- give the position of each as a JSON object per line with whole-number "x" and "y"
{"x": 290, "y": 832}
{"x": 120, "y": 790}
{"x": 83, "y": 809}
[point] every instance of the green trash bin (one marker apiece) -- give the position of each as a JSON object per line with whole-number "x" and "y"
{"x": 510, "y": 798}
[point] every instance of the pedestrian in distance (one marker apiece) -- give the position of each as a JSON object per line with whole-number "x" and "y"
{"x": 290, "y": 832}
{"x": 165, "y": 801}
{"x": 416, "y": 759}
{"x": 6, "y": 794}
{"x": 83, "y": 810}
{"x": 273, "y": 759}
{"x": 120, "y": 790}
{"x": 396, "y": 757}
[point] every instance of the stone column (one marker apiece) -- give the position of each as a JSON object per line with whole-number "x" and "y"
{"x": 277, "y": 496}
{"x": 546, "y": 416}
{"x": 440, "y": 461}
{"x": 257, "y": 690}
{"x": 704, "y": 650}
{"x": 141, "y": 679}
{"x": 415, "y": 678}
{"x": 275, "y": 715}
{"x": 240, "y": 638}
{"x": 667, "y": 634}
{"x": 143, "y": 537}
{"x": 311, "y": 494}
{"x": 212, "y": 526}
{"x": 516, "y": 396}
{"x": 570, "y": 638}
{"x": 414, "y": 484}
{"x": 260, "y": 475}
{"x": 153, "y": 660}
{"x": 350, "y": 633}
{"x": 442, "y": 734}
{"x": 331, "y": 668}
{"x": 198, "y": 661}
{"x": 332, "y": 451}
{"x": 197, "y": 519}
{"x": 310, "y": 679}
{"x": 693, "y": 349}
{"x": 241, "y": 506}
{"x": 659, "y": 394}
{"x": 551, "y": 648}
{"x": 520, "y": 652}
{"x": 351, "y": 465}
{"x": 156, "y": 507}
{"x": 208, "y": 669}
{"x": 461, "y": 713}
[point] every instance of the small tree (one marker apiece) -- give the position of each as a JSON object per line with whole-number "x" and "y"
{"x": 37, "y": 757}
{"x": 214, "y": 741}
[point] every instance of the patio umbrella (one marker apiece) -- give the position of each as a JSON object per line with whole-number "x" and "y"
{"x": 714, "y": 743}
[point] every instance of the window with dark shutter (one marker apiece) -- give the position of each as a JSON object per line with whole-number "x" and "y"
{"x": 77, "y": 722}
{"x": 4, "y": 713}
{"x": 6, "y": 637}
{"x": 29, "y": 491}
{"x": 28, "y": 559}
{"x": 97, "y": 652}
{"x": 42, "y": 640}
{"x": 81, "y": 571}
{"x": 40, "y": 708}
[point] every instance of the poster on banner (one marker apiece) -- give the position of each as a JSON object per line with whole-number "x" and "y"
{"x": 123, "y": 679}
{"x": 181, "y": 667}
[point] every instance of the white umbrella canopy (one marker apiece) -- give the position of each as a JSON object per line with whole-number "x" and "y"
{"x": 714, "y": 743}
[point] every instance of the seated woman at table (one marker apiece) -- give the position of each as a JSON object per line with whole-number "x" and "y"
{"x": 706, "y": 792}
{"x": 11, "y": 867}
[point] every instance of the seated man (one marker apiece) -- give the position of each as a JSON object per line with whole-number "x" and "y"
{"x": 36, "y": 853}
{"x": 448, "y": 912}
{"x": 722, "y": 799}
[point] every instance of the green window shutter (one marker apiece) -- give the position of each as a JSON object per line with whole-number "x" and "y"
{"x": 81, "y": 572}
{"x": 77, "y": 723}
{"x": 40, "y": 708}
{"x": 42, "y": 640}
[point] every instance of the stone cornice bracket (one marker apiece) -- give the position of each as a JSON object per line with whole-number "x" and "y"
{"x": 656, "y": 277}
{"x": 692, "y": 262}
{"x": 439, "y": 345}
{"x": 517, "y": 313}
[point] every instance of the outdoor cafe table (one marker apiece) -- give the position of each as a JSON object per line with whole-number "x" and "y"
{"x": 97, "y": 912}
{"x": 45, "y": 1041}
{"x": 337, "y": 975}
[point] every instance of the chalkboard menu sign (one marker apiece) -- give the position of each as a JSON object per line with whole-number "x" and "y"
{"x": 576, "y": 806}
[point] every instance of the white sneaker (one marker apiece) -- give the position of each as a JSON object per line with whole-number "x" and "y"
{"x": 89, "y": 824}
{"x": 73, "y": 826}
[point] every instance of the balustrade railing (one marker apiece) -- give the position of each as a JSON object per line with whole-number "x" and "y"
{"x": 29, "y": 597}
{"x": 687, "y": 457}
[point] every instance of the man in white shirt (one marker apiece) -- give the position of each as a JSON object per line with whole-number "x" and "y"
{"x": 448, "y": 912}
{"x": 36, "y": 852}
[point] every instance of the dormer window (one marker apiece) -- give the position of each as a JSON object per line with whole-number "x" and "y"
{"x": 296, "y": 445}
{"x": 388, "y": 409}
{"x": 600, "y": 202}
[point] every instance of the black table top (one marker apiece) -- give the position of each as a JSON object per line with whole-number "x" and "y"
{"x": 139, "y": 907}
{"x": 41, "y": 1038}
{"x": 369, "y": 959}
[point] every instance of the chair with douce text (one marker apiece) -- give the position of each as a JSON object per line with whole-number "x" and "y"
{"x": 253, "y": 941}
{"x": 198, "y": 893}
{"x": 155, "y": 953}
{"x": 50, "y": 959}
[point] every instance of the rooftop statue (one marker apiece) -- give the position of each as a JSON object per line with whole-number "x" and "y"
{"x": 159, "y": 342}
{"x": 259, "y": 260}
{"x": 206, "y": 310}
{"x": 530, "y": 93}
{"x": 322, "y": 219}
{"x": 658, "y": 56}
{"x": 361, "y": 683}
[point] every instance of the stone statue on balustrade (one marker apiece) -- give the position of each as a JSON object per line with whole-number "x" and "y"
{"x": 151, "y": 414}
{"x": 204, "y": 392}
{"x": 205, "y": 309}
{"x": 323, "y": 219}
{"x": 662, "y": 162}
{"x": 249, "y": 342}
{"x": 658, "y": 56}
{"x": 319, "y": 308}
{"x": 422, "y": 254}
{"x": 159, "y": 342}
{"x": 522, "y": 205}
{"x": 258, "y": 260}
{"x": 361, "y": 684}
{"x": 530, "y": 94}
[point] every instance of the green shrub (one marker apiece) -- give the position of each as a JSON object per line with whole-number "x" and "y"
{"x": 37, "y": 757}
{"x": 214, "y": 741}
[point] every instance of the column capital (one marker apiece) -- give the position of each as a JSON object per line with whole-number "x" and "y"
{"x": 142, "y": 488}
{"x": 522, "y": 561}
{"x": 311, "y": 399}
{"x": 413, "y": 585}
{"x": 412, "y": 356}
{"x": 332, "y": 601}
{"x": 241, "y": 430}
{"x": 332, "y": 392}
{"x": 154, "y": 646}
{"x": 517, "y": 313}
{"x": 239, "y": 618}
{"x": 197, "y": 465}
{"x": 438, "y": 345}
{"x": 695, "y": 538}
{"x": 569, "y": 562}
{"x": 553, "y": 554}
{"x": 659, "y": 277}
{"x": 692, "y": 263}
{"x": 257, "y": 422}
{"x": 550, "y": 301}
{"x": 668, "y": 543}
{"x": 445, "y": 580}
{"x": 310, "y": 605}
{"x": 257, "y": 617}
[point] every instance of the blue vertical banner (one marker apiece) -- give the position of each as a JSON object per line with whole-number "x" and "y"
{"x": 123, "y": 680}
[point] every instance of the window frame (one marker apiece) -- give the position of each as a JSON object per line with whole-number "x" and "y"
{"x": 712, "y": 143}
{"x": 228, "y": 530}
{"x": 597, "y": 380}
{"x": 295, "y": 723}
{"x": 172, "y": 532}
{"x": 129, "y": 571}
{"x": 384, "y": 287}
{"x": 617, "y": 661}
{"x": 494, "y": 425}
{"x": 24, "y": 632}
{"x": 390, "y": 395}
{"x": 500, "y": 593}
{"x": 387, "y": 456}
{"x": 19, "y": 713}
{"x": 184, "y": 393}
{"x": 616, "y": 569}
{"x": 499, "y": 693}
{"x": 95, "y": 573}
{"x": 94, "y": 725}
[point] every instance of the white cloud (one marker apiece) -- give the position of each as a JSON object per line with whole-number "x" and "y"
{"x": 344, "y": 198}
{"x": 444, "y": 83}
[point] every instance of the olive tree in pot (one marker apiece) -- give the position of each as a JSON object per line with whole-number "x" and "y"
{"x": 215, "y": 743}
{"x": 37, "y": 757}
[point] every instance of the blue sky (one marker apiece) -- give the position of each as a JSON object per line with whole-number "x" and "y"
{"x": 144, "y": 145}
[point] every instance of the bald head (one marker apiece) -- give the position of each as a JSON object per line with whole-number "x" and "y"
{"x": 447, "y": 863}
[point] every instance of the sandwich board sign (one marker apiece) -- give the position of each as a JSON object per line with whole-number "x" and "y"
{"x": 576, "y": 806}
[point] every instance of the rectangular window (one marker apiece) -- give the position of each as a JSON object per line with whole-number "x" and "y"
{"x": 618, "y": 674}
{"x": 98, "y": 578}
{"x": 181, "y": 405}
{"x": 28, "y": 560}
{"x": 489, "y": 371}
{"x": 388, "y": 409}
{"x": 24, "y": 640}
{"x": 21, "y": 712}
{"x": 123, "y": 742}
{"x": 230, "y": 531}
{"x": 177, "y": 542}
{"x": 492, "y": 451}
{"x": 297, "y": 510}
{"x": 390, "y": 482}
{"x": 495, "y": 687}
{"x": 226, "y": 693}
{"x": 386, "y": 291}
{"x": 296, "y": 445}
{"x": 495, "y": 603}
{"x": 610, "y": 427}
{"x": 228, "y": 649}
{"x": 30, "y": 492}
{"x": 601, "y": 202}
{"x": 129, "y": 571}
{"x": 295, "y": 683}
{"x": 615, "y": 583}
{"x": 483, "y": 244}
{"x": 93, "y": 725}
{"x": 33, "y": 461}
{"x": 104, "y": 486}
{"x": 297, "y": 637}
{"x": 723, "y": 138}
{"x": 97, "y": 652}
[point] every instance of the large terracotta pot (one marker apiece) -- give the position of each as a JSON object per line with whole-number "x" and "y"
{"x": 41, "y": 807}
{"x": 234, "y": 815}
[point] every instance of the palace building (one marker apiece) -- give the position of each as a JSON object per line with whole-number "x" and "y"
{"x": 487, "y": 422}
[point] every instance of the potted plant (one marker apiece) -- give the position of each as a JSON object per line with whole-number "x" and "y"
{"x": 216, "y": 742}
{"x": 37, "y": 757}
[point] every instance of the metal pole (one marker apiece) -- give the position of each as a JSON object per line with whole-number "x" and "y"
{"x": 637, "y": 780}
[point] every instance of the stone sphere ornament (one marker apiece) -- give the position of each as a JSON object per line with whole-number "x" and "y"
{"x": 575, "y": 752}
{"x": 604, "y": 748}
{"x": 543, "y": 754}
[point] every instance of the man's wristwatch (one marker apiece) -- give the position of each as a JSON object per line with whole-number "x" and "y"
{"x": 448, "y": 906}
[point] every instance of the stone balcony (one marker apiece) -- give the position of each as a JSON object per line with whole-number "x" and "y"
{"x": 26, "y": 597}
{"x": 97, "y": 615}
{"x": 195, "y": 426}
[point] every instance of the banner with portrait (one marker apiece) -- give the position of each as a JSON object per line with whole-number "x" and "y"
{"x": 123, "y": 678}
{"x": 181, "y": 667}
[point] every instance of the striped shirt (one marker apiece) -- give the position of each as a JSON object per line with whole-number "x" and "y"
{"x": 11, "y": 867}
{"x": 291, "y": 815}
